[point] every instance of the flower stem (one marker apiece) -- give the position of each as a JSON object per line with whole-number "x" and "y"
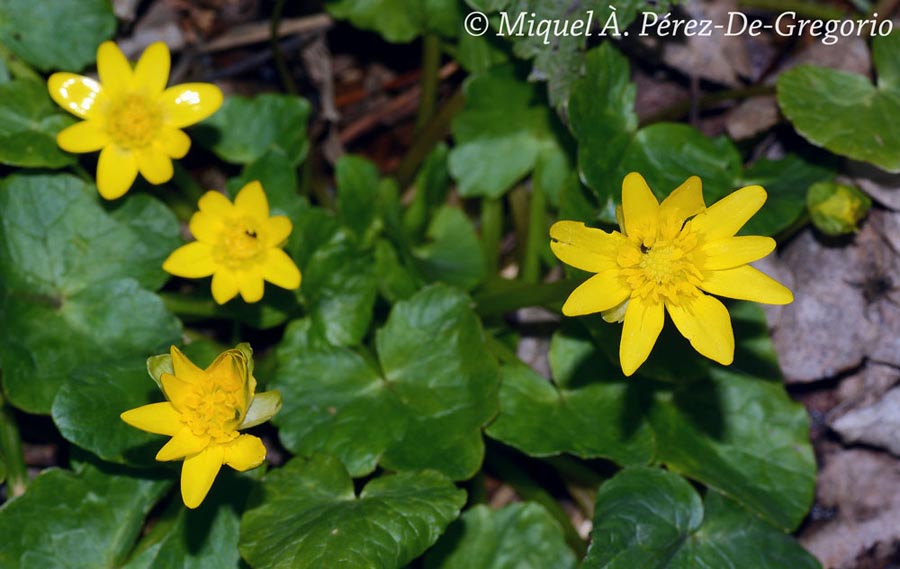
{"x": 18, "y": 68}
{"x": 435, "y": 131}
{"x": 491, "y": 232}
{"x": 431, "y": 61}
{"x": 508, "y": 298}
{"x": 277, "y": 55}
{"x": 11, "y": 449}
{"x": 181, "y": 305}
{"x": 536, "y": 235}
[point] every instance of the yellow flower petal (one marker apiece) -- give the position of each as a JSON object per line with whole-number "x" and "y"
{"x": 116, "y": 170}
{"x": 726, "y": 217}
{"x": 640, "y": 209}
{"x": 600, "y": 292}
{"x": 160, "y": 418}
{"x": 252, "y": 200}
{"x": 190, "y": 103}
{"x": 214, "y": 203}
{"x": 176, "y": 390}
{"x": 251, "y": 285}
{"x": 278, "y": 229}
{"x": 706, "y": 323}
{"x": 244, "y": 453}
{"x": 114, "y": 69}
{"x": 734, "y": 251}
{"x": 75, "y": 93}
{"x": 154, "y": 166}
{"x": 184, "y": 368}
{"x": 184, "y": 443}
{"x": 280, "y": 270}
{"x": 152, "y": 70}
{"x": 206, "y": 227}
{"x": 85, "y": 136}
{"x": 198, "y": 474}
{"x": 643, "y": 323}
{"x": 224, "y": 286}
{"x": 584, "y": 247}
{"x": 192, "y": 261}
{"x": 173, "y": 142}
{"x": 746, "y": 283}
{"x": 686, "y": 201}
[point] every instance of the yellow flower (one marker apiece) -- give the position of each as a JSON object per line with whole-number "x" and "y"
{"x": 130, "y": 116}
{"x": 238, "y": 244}
{"x": 669, "y": 255}
{"x": 204, "y": 411}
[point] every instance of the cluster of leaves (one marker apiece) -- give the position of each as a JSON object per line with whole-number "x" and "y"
{"x": 400, "y": 381}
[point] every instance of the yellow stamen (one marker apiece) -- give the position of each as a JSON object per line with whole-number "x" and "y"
{"x": 133, "y": 122}
{"x": 241, "y": 243}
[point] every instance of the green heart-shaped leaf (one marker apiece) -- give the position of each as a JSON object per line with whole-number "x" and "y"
{"x": 520, "y": 535}
{"x": 67, "y": 291}
{"x": 845, "y": 112}
{"x": 706, "y": 428}
{"x": 654, "y": 519}
{"x": 421, "y": 406}
{"x": 400, "y": 21}
{"x": 29, "y": 122}
{"x": 76, "y": 520}
{"x": 64, "y": 38}
{"x": 244, "y": 129}
{"x": 310, "y": 517}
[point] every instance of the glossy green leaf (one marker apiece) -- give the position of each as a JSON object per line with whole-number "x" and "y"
{"x": 64, "y": 38}
{"x": 502, "y": 132}
{"x": 654, "y": 519}
{"x": 845, "y": 112}
{"x": 29, "y": 122}
{"x": 205, "y": 538}
{"x": 87, "y": 407}
{"x": 400, "y": 21}
{"x": 66, "y": 294}
{"x": 667, "y": 154}
{"x": 339, "y": 281}
{"x": 453, "y": 254}
{"x": 786, "y": 181}
{"x": 266, "y": 123}
{"x": 321, "y": 523}
{"x": 602, "y": 118}
{"x": 422, "y": 405}
{"x": 732, "y": 431}
{"x": 432, "y": 186}
{"x": 88, "y": 519}
{"x": 358, "y": 181}
{"x": 590, "y": 412}
{"x": 395, "y": 280}
{"x": 519, "y": 536}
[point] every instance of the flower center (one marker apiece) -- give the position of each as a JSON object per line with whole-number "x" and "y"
{"x": 666, "y": 269}
{"x": 214, "y": 408}
{"x": 133, "y": 122}
{"x": 241, "y": 242}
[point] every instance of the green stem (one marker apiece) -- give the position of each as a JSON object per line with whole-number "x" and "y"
{"x": 277, "y": 55}
{"x": 431, "y": 62}
{"x": 497, "y": 302}
{"x": 808, "y": 9}
{"x": 11, "y": 447}
{"x": 435, "y": 131}
{"x": 528, "y": 489}
{"x": 682, "y": 108}
{"x": 491, "y": 233}
{"x": 500, "y": 350}
{"x": 189, "y": 306}
{"x": 518, "y": 208}
{"x": 536, "y": 234}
